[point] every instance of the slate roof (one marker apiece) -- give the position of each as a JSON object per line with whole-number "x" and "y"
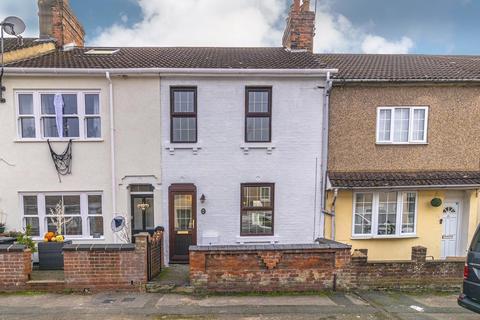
{"x": 351, "y": 180}
{"x": 12, "y": 44}
{"x": 177, "y": 57}
{"x": 402, "y": 67}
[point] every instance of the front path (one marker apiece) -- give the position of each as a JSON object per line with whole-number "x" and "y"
{"x": 168, "y": 306}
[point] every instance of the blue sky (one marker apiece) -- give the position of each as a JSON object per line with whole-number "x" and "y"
{"x": 385, "y": 26}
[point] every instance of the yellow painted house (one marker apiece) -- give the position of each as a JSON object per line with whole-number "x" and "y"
{"x": 403, "y": 154}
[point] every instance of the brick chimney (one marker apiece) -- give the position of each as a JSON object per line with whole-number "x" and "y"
{"x": 300, "y": 29}
{"x": 58, "y": 21}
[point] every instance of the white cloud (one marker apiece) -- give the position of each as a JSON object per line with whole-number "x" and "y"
{"x": 222, "y": 23}
{"x": 200, "y": 23}
{"x": 26, "y": 10}
{"x": 376, "y": 44}
{"x": 336, "y": 33}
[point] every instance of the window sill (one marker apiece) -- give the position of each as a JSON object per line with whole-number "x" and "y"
{"x": 40, "y": 239}
{"x": 172, "y": 147}
{"x": 410, "y": 236}
{"x": 401, "y": 143}
{"x": 268, "y": 146}
{"x": 257, "y": 239}
{"x": 57, "y": 140}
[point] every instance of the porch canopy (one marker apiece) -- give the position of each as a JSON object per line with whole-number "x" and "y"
{"x": 419, "y": 179}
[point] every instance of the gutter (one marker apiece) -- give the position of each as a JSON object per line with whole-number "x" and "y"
{"x": 112, "y": 145}
{"x": 406, "y": 80}
{"x": 169, "y": 71}
{"x": 324, "y": 157}
{"x": 440, "y": 186}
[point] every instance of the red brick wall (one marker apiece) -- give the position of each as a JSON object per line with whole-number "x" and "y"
{"x": 15, "y": 267}
{"x": 237, "y": 270}
{"x": 246, "y": 269}
{"x": 108, "y": 268}
{"x": 415, "y": 274}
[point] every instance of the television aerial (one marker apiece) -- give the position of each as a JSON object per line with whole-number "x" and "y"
{"x": 13, "y": 26}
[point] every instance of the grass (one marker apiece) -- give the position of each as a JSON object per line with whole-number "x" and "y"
{"x": 22, "y": 293}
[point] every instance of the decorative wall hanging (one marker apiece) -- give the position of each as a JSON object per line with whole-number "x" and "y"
{"x": 63, "y": 161}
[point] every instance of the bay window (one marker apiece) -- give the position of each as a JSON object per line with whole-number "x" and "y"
{"x": 58, "y": 115}
{"x": 82, "y": 214}
{"x": 402, "y": 125}
{"x": 384, "y": 214}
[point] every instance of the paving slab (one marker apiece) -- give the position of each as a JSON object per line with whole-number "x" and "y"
{"x": 439, "y": 301}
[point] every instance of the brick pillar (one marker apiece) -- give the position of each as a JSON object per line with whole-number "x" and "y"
{"x": 198, "y": 274}
{"x": 141, "y": 242}
{"x": 419, "y": 254}
{"x": 27, "y": 258}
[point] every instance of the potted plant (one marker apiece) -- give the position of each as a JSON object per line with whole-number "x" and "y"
{"x": 26, "y": 239}
{"x": 50, "y": 251}
{"x": 2, "y": 227}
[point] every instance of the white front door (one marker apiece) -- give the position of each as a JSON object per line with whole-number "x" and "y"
{"x": 449, "y": 229}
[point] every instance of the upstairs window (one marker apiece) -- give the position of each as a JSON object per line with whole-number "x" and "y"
{"x": 402, "y": 125}
{"x": 258, "y": 115}
{"x": 58, "y": 115}
{"x": 183, "y": 115}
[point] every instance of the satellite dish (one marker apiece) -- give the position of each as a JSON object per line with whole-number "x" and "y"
{"x": 118, "y": 223}
{"x": 13, "y": 26}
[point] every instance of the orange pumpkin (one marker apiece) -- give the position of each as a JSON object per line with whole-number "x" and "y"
{"x": 49, "y": 236}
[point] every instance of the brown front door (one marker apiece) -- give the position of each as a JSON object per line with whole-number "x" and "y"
{"x": 183, "y": 215}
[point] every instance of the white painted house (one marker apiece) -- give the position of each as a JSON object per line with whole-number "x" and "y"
{"x": 217, "y": 145}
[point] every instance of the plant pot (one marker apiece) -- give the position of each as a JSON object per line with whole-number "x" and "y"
{"x": 50, "y": 255}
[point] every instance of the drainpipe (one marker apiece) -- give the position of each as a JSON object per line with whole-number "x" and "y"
{"x": 324, "y": 158}
{"x": 112, "y": 145}
{"x": 332, "y": 214}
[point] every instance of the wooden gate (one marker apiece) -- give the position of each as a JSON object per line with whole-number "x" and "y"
{"x": 154, "y": 255}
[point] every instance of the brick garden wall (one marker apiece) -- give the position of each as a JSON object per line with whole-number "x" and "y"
{"x": 15, "y": 267}
{"x": 269, "y": 268}
{"x": 414, "y": 274}
{"x": 107, "y": 267}
{"x": 327, "y": 266}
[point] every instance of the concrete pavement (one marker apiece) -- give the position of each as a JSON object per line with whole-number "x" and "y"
{"x": 368, "y": 306}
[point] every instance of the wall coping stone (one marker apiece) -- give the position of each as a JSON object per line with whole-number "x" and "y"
{"x": 99, "y": 247}
{"x": 270, "y": 247}
{"x": 12, "y": 248}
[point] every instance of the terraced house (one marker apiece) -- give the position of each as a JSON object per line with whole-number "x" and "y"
{"x": 217, "y": 145}
{"x": 403, "y": 151}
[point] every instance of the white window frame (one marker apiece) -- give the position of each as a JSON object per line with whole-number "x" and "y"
{"x": 38, "y": 116}
{"x": 375, "y": 213}
{"x": 42, "y": 214}
{"x": 410, "y": 125}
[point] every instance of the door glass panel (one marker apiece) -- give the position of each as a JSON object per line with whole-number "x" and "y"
{"x": 183, "y": 212}
{"x": 149, "y": 213}
{"x": 137, "y": 214}
{"x": 147, "y": 205}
